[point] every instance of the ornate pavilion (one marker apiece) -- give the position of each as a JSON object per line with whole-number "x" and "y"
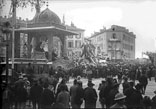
{"x": 38, "y": 39}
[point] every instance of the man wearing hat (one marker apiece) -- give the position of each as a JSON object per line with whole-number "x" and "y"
{"x": 120, "y": 99}
{"x": 90, "y": 96}
{"x": 128, "y": 92}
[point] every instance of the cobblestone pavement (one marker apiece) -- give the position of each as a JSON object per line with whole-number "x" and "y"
{"x": 149, "y": 91}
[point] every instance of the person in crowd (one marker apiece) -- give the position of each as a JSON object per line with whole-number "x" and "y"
{"x": 90, "y": 96}
{"x": 147, "y": 102}
{"x": 138, "y": 72}
{"x": 63, "y": 97}
{"x": 73, "y": 94}
{"x": 78, "y": 78}
{"x": 8, "y": 97}
{"x": 21, "y": 95}
{"x": 27, "y": 87}
{"x": 47, "y": 97}
{"x": 59, "y": 88}
{"x": 79, "y": 95}
{"x": 113, "y": 92}
{"x": 55, "y": 81}
{"x": 106, "y": 91}
{"x": 102, "y": 84}
{"x": 35, "y": 94}
{"x": 101, "y": 93}
{"x": 149, "y": 72}
{"x": 154, "y": 101}
{"x": 119, "y": 77}
{"x": 143, "y": 80}
{"x": 136, "y": 97}
{"x": 125, "y": 84}
{"x": 120, "y": 101}
{"x": 128, "y": 92}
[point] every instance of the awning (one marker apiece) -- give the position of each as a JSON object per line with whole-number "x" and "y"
{"x": 52, "y": 29}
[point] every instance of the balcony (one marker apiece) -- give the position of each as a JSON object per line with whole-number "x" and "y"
{"x": 113, "y": 49}
{"x": 114, "y": 40}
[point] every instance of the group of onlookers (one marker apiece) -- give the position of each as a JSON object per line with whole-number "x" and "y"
{"x": 47, "y": 95}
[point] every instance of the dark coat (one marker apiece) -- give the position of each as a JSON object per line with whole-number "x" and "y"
{"x": 112, "y": 94}
{"x": 47, "y": 97}
{"x": 90, "y": 96}
{"x": 106, "y": 94}
{"x": 143, "y": 80}
{"x": 79, "y": 95}
{"x": 136, "y": 98}
{"x": 35, "y": 93}
{"x": 154, "y": 102}
{"x": 128, "y": 92}
{"x": 125, "y": 86}
{"x": 21, "y": 94}
{"x": 102, "y": 94}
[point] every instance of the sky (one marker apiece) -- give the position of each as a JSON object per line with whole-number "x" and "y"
{"x": 139, "y": 16}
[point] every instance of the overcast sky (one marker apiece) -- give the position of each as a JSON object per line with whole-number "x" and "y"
{"x": 139, "y": 16}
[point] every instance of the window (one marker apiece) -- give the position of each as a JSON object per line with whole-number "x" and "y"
{"x": 123, "y": 37}
{"x": 78, "y": 36}
{"x": 114, "y": 36}
{"x": 70, "y": 44}
{"x": 77, "y": 44}
{"x": 113, "y": 29}
{"x": 70, "y": 36}
{"x": 131, "y": 47}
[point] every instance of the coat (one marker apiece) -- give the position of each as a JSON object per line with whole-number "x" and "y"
{"x": 90, "y": 97}
{"x": 143, "y": 80}
{"x": 73, "y": 94}
{"x": 128, "y": 92}
{"x": 47, "y": 98}
{"x": 63, "y": 98}
{"x": 136, "y": 98}
{"x": 35, "y": 93}
{"x": 79, "y": 95}
{"x": 21, "y": 94}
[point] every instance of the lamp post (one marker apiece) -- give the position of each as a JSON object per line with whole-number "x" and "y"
{"x": 6, "y": 31}
{"x": 14, "y": 3}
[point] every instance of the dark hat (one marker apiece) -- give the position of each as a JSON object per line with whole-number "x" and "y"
{"x": 79, "y": 82}
{"x": 115, "y": 85}
{"x": 90, "y": 83}
{"x": 103, "y": 81}
{"x": 138, "y": 86}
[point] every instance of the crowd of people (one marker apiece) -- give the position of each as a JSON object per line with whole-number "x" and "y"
{"x": 45, "y": 94}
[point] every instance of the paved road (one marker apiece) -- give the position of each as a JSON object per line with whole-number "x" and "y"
{"x": 149, "y": 91}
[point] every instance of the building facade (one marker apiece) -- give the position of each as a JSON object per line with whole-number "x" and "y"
{"x": 74, "y": 42}
{"x": 114, "y": 43}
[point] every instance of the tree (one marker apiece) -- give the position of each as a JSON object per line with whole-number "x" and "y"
{"x": 23, "y": 3}
{"x": 151, "y": 56}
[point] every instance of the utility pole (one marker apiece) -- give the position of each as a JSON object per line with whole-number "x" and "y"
{"x": 14, "y": 2}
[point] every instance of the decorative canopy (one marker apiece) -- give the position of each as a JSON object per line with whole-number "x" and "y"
{"x": 46, "y": 16}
